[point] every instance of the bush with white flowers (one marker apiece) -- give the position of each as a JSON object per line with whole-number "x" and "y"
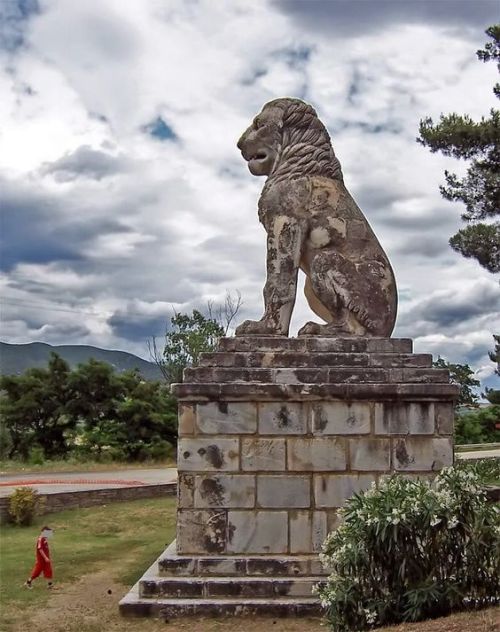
{"x": 412, "y": 549}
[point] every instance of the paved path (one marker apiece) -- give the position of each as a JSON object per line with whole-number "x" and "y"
{"x": 49, "y": 483}
{"x": 479, "y": 454}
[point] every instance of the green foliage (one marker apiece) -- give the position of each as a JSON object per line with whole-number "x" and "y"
{"x": 461, "y": 374}
{"x": 411, "y": 550}
{"x": 479, "y": 142}
{"x": 187, "y": 338}
{"x": 24, "y": 505}
{"x": 478, "y": 426}
{"x": 90, "y": 412}
{"x": 492, "y": 394}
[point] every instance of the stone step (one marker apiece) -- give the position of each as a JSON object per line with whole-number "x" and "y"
{"x": 316, "y": 344}
{"x": 133, "y": 605}
{"x": 277, "y": 359}
{"x": 210, "y": 587}
{"x": 352, "y": 375}
{"x": 170, "y": 564}
{"x": 251, "y": 391}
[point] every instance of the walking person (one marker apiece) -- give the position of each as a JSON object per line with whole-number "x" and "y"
{"x": 43, "y": 563}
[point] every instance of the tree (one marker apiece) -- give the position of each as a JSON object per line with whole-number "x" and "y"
{"x": 461, "y": 374}
{"x": 492, "y": 394}
{"x": 461, "y": 137}
{"x": 33, "y": 409}
{"x": 478, "y": 426}
{"x": 187, "y": 336}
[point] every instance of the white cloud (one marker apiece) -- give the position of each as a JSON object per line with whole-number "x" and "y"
{"x": 118, "y": 225}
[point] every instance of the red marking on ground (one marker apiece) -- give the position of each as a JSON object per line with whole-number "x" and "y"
{"x": 73, "y": 481}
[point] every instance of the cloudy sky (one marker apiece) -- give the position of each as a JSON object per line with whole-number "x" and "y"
{"x": 124, "y": 196}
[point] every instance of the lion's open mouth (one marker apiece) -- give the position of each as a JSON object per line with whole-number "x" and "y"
{"x": 260, "y": 156}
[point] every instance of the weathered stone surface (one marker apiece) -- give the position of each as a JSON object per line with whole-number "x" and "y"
{"x": 312, "y": 222}
{"x": 201, "y": 531}
{"x": 314, "y": 392}
{"x": 282, "y": 418}
{"x": 227, "y": 418}
{"x": 208, "y": 454}
{"x": 286, "y": 491}
{"x": 316, "y": 454}
{"x": 339, "y": 418}
{"x": 257, "y": 532}
{"x": 400, "y": 360}
{"x": 308, "y": 530}
{"x": 445, "y": 417}
{"x": 404, "y": 418}
{"x": 370, "y": 454}
{"x": 332, "y": 490}
{"x": 422, "y": 453}
{"x": 221, "y": 566}
{"x": 185, "y": 490}
{"x": 187, "y": 416}
{"x": 315, "y": 344}
{"x": 225, "y": 490}
{"x": 263, "y": 454}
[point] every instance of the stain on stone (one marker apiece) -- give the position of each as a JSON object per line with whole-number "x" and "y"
{"x": 320, "y": 418}
{"x": 212, "y": 491}
{"x": 351, "y": 420}
{"x": 222, "y": 407}
{"x": 215, "y": 456}
{"x": 402, "y": 454}
{"x": 186, "y": 454}
{"x": 202, "y": 451}
{"x": 230, "y": 532}
{"x": 283, "y": 418}
{"x": 282, "y": 588}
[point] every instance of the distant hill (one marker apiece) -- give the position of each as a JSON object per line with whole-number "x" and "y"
{"x": 15, "y": 359}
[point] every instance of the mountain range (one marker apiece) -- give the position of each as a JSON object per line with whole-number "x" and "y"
{"x": 16, "y": 358}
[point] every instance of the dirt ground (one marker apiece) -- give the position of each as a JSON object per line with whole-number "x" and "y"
{"x": 91, "y": 605}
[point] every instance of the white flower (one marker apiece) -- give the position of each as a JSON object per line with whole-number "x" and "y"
{"x": 371, "y": 616}
{"x": 452, "y": 522}
{"x": 435, "y": 520}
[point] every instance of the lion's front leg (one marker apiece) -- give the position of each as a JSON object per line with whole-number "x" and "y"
{"x": 284, "y": 246}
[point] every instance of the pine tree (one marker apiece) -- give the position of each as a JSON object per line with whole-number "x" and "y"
{"x": 461, "y": 137}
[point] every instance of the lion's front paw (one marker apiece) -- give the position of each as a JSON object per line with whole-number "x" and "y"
{"x": 257, "y": 327}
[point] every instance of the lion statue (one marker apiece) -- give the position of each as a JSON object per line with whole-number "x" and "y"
{"x": 313, "y": 223}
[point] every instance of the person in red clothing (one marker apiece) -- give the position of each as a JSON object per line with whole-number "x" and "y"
{"x": 43, "y": 563}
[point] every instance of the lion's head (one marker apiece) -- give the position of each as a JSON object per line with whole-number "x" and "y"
{"x": 288, "y": 140}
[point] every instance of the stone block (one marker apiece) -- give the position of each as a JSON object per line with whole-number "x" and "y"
{"x": 308, "y": 531}
{"x": 257, "y": 532}
{"x": 276, "y": 492}
{"x": 208, "y": 454}
{"x": 187, "y": 416}
{"x": 220, "y": 566}
{"x": 400, "y": 360}
{"x": 316, "y": 454}
{"x": 201, "y": 531}
{"x": 263, "y": 454}
{"x": 227, "y": 418}
{"x": 422, "y": 454}
{"x": 415, "y": 418}
{"x": 338, "y": 418}
{"x": 185, "y": 490}
{"x": 278, "y": 418}
{"x": 445, "y": 417}
{"x": 368, "y": 454}
{"x": 225, "y": 490}
{"x": 332, "y": 490}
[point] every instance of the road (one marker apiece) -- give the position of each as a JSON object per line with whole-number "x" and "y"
{"x": 47, "y": 483}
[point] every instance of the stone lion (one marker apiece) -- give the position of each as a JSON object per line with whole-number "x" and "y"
{"x": 313, "y": 223}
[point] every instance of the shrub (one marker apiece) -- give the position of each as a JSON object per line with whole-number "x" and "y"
{"x": 24, "y": 505}
{"x": 36, "y": 456}
{"x": 411, "y": 549}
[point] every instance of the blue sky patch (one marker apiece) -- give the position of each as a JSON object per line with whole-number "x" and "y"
{"x": 160, "y": 130}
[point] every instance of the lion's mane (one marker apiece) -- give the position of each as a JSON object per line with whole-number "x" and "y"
{"x": 305, "y": 148}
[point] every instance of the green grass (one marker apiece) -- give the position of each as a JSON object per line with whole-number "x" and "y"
{"x": 11, "y": 466}
{"x": 126, "y": 537}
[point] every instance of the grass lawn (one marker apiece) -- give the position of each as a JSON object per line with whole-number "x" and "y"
{"x": 98, "y": 553}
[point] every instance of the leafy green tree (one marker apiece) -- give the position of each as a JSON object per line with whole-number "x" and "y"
{"x": 493, "y": 394}
{"x": 461, "y": 374}
{"x": 478, "y": 426}
{"x": 479, "y": 142}
{"x": 33, "y": 409}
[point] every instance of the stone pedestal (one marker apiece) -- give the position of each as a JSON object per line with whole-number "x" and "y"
{"x": 274, "y": 434}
